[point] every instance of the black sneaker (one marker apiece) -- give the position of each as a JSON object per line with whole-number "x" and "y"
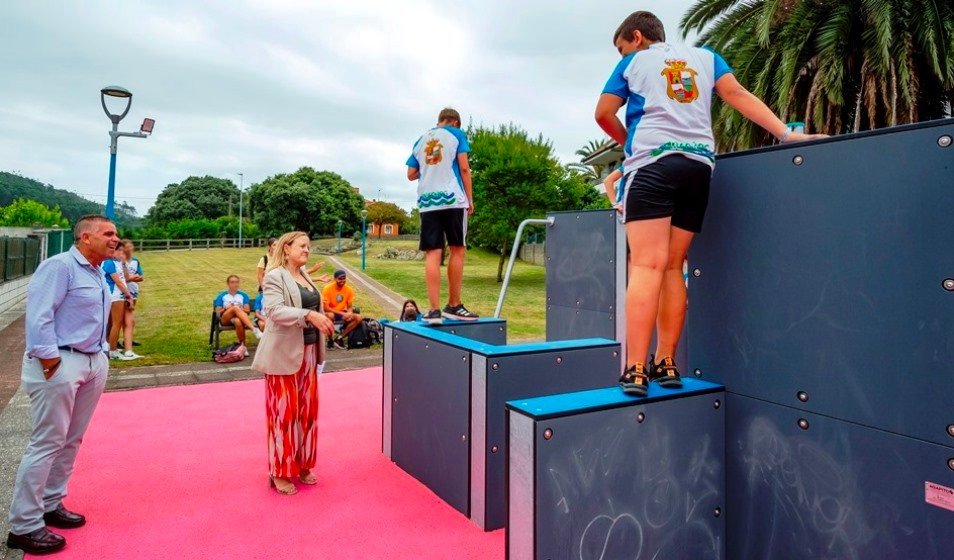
{"x": 433, "y": 317}
{"x": 339, "y": 343}
{"x": 460, "y": 313}
{"x": 665, "y": 373}
{"x": 635, "y": 384}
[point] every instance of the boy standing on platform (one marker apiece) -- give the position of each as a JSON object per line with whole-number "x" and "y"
{"x": 444, "y": 196}
{"x": 667, "y": 90}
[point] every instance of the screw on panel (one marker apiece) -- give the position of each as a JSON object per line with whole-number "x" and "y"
{"x": 802, "y": 396}
{"x": 802, "y": 423}
{"x": 463, "y": 358}
{"x": 717, "y": 404}
{"x": 944, "y": 141}
{"x": 950, "y": 463}
{"x": 500, "y": 329}
{"x": 798, "y": 160}
{"x": 948, "y": 284}
{"x": 559, "y": 359}
{"x": 950, "y": 430}
{"x": 717, "y": 512}
{"x": 696, "y": 272}
{"x": 427, "y": 346}
{"x": 453, "y": 331}
{"x": 493, "y": 449}
{"x": 697, "y": 372}
{"x": 463, "y": 437}
{"x": 616, "y": 355}
{"x": 547, "y": 434}
{"x": 395, "y": 399}
{"x": 494, "y": 367}
{"x": 640, "y": 417}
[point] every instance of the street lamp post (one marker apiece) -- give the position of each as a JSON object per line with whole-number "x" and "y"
{"x": 338, "y": 250}
{"x": 364, "y": 233}
{"x": 241, "y": 194}
{"x": 144, "y": 131}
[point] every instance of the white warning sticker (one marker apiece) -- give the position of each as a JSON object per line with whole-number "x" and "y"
{"x": 940, "y": 496}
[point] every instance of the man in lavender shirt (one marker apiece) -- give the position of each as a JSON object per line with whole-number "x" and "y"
{"x": 64, "y": 372}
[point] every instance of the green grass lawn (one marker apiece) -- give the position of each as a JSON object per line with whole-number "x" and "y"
{"x": 176, "y": 301}
{"x": 525, "y": 306}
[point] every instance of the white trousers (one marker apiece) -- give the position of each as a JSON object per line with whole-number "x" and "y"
{"x": 61, "y": 408}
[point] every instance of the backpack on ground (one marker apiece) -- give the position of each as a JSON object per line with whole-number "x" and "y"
{"x": 375, "y": 331}
{"x": 358, "y": 338}
{"x": 234, "y": 352}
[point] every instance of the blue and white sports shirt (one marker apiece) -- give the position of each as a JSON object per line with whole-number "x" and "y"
{"x": 668, "y": 92}
{"x": 435, "y": 155}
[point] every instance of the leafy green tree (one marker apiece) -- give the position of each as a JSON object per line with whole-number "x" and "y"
{"x": 30, "y": 213}
{"x": 306, "y": 200}
{"x": 413, "y": 223}
{"x": 839, "y": 65}
{"x": 380, "y": 213}
{"x": 515, "y": 177}
{"x": 194, "y": 198}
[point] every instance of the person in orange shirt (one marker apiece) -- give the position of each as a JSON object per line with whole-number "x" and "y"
{"x": 339, "y": 306}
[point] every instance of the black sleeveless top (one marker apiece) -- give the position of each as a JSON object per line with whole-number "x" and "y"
{"x": 312, "y": 301}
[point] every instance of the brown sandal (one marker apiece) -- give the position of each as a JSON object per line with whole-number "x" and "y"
{"x": 287, "y": 491}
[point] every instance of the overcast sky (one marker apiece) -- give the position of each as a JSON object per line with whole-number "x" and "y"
{"x": 267, "y": 87}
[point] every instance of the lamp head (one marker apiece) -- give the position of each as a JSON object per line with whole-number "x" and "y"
{"x": 119, "y": 93}
{"x": 364, "y": 214}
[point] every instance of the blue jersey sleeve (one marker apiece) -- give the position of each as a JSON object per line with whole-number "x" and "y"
{"x": 721, "y": 67}
{"x": 109, "y": 267}
{"x": 219, "y": 300}
{"x": 139, "y": 268}
{"x": 257, "y": 304}
{"x": 463, "y": 146}
{"x": 245, "y": 298}
{"x": 617, "y": 84}
{"x": 412, "y": 160}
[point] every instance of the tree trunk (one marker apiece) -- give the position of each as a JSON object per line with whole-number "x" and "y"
{"x": 500, "y": 265}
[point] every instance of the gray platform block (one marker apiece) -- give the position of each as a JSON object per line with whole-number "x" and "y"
{"x": 429, "y": 415}
{"x": 830, "y": 489}
{"x": 515, "y": 372}
{"x": 597, "y": 474}
{"x": 443, "y": 418}
{"x": 487, "y": 330}
{"x": 827, "y": 278}
{"x": 586, "y": 254}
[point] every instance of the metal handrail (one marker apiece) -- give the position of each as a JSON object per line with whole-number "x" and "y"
{"x": 513, "y": 257}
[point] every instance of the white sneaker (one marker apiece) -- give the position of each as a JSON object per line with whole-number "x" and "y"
{"x": 114, "y": 355}
{"x": 246, "y": 353}
{"x": 258, "y": 333}
{"x": 129, "y": 355}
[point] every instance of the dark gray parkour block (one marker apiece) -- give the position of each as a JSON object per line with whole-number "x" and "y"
{"x": 444, "y": 405}
{"x": 599, "y": 474}
{"x": 586, "y": 273}
{"x": 803, "y": 486}
{"x": 824, "y": 279}
{"x": 586, "y": 278}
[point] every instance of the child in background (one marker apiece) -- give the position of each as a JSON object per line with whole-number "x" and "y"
{"x": 133, "y": 272}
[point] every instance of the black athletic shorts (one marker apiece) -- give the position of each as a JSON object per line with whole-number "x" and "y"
{"x": 673, "y": 186}
{"x": 437, "y": 225}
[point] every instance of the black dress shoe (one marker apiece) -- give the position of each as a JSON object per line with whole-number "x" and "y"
{"x": 41, "y": 541}
{"x": 63, "y": 518}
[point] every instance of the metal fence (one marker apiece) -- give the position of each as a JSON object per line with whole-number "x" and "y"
{"x": 58, "y": 241}
{"x": 20, "y": 257}
{"x": 193, "y": 244}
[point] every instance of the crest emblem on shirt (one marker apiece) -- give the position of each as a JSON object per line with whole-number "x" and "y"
{"x": 433, "y": 152}
{"x": 681, "y": 81}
